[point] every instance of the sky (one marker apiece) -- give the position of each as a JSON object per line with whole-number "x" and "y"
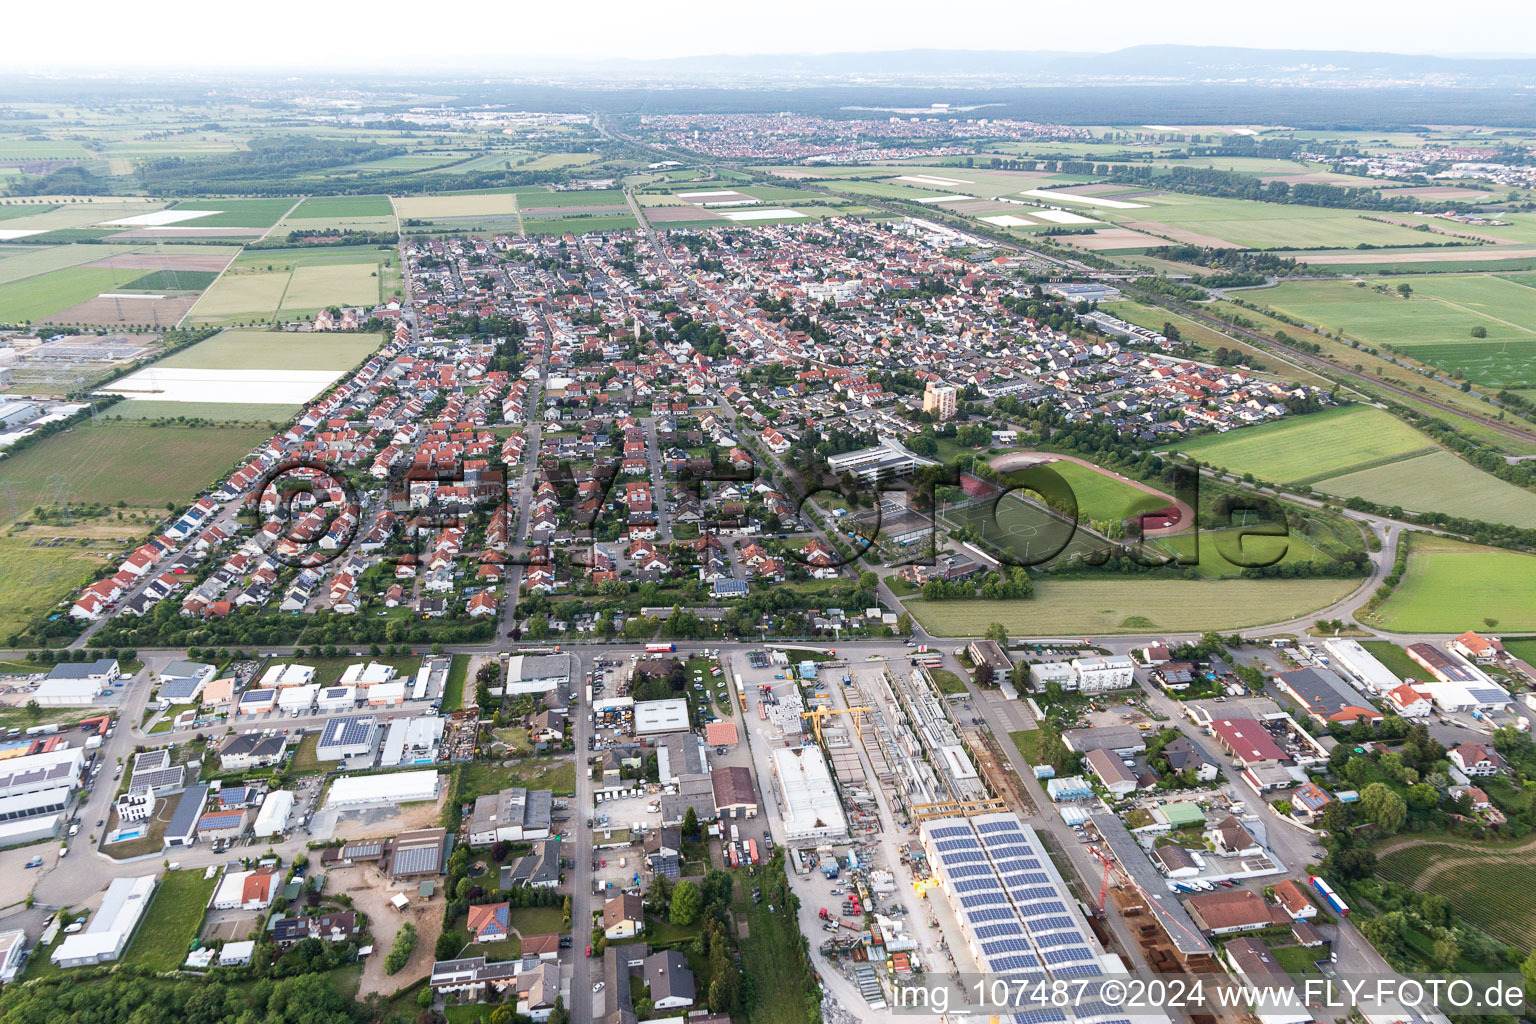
{"x": 317, "y": 34}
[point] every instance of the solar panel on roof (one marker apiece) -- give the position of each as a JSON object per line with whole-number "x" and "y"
{"x": 1042, "y": 892}
{"x": 992, "y": 931}
{"x": 977, "y": 884}
{"x": 1052, "y": 924}
{"x": 1039, "y": 1017}
{"x": 1488, "y": 695}
{"x": 946, "y": 845}
{"x": 991, "y": 914}
{"x": 968, "y": 870}
{"x": 951, "y": 831}
{"x": 1013, "y": 962}
{"x": 981, "y": 899}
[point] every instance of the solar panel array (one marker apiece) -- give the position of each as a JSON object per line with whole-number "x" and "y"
{"x": 347, "y": 731}
{"x": 1017, "y": 909}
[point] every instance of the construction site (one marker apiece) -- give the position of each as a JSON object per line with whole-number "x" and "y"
{"x": 917, "y": 785}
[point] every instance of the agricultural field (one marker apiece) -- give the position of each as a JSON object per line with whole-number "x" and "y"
{"x": 1089, "y": 607}
{"x": 1435, "y": 325}
{"x": 107, "y": 462}
{"x": 237, "y": 213}
{"x": 100, "y": 285}
{"x": 580, "y": 224}
{"x": 1309, "y": 447}
{"x": 455, "y": 205}
{"x": 291, "y": 284}
{"x": 1438, "y": 482}
{"x": 1449, "y": 584}
{"x": 596, "y": 197}
{"x": 1203, "y": 220}
{"x": 245, "y": 368}
{"x": 37, "y": 575}
{"x": 237, "y": 349}
{"x": 1492, "y": 887}
{"x": 341, "y": 213}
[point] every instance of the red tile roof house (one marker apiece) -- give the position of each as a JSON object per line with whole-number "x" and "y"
{"x": 489, "y": 922}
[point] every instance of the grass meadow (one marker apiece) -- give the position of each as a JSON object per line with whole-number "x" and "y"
{"x": 1308, "y": 447}
{"x": 1449, "y": 585}
{"x": 1438, "y": 482}
{"x": 1089, "y": 607}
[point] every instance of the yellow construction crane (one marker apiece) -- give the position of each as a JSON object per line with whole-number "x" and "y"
{"x": 961, "y": 808}
{"x": 817, "y": 715}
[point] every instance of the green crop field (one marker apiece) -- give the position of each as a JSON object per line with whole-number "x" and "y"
{"x": 36, "y": 298}
{"x": 1260, "y": 225}
{"x": 1307, "y": 447}
{"x": 1089, "y": 607}
{"x": 456, "y": 204}
{"x": 343, "y": 207}
{"x": 219, "y": 412}
{"x": 354, "y": 284}
{"x": 1498, "y": 364}
{"x": 1438, "y": 482}
{"x": 236, "y": 213}
{"x": 272, "y": 284}
{"x": 1450, "y": 585}
{"x": 582, "y": 225}
{"x": 142, "y": 465}
{"x": 595, "y": 197}
{"x": 1435, "y": 325}
{"x": 237, "y": 349}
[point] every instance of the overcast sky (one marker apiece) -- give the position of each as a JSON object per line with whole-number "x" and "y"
{"x": 317, "y": 34}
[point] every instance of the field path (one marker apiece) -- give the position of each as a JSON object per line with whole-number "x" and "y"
{"x": 231, "y": 262}
{"x": 1023, "y": 460}
{"x": 1478, "y": 312}
{"x": 284, "y": 217}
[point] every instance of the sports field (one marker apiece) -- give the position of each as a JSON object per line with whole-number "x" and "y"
{"x": 1089, "y": 607}
{"x": 142, "y": 465}
{"x": 1449, "y": 584}
{"x": 1023, "y": 530}
{"x": 1438, "y": 482}
{"x": 1308, "y": 447}
{"x": 1101, "y": 496}
{"x": 1217, "y": 549}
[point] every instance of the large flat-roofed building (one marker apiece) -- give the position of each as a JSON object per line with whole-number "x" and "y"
{"x": 346, "y": 737}
{"x": 808, "y": 800}
{"x": 34, "y": 790}
{"x": 394, "y": 788}
{"x": 1361, "y": 664}
{"x": 991, "y": 654}
{"x": 1167, "y": 911}
{"x": 182, "y": 681}
{"x": 105, "y": 938}
{"x": 885, "y": 461}
{"x": 1325, "y": 696}
{"x": 537, "y": 673}
{"x": 512, "y": 815}
{"x": 1016, "y": 915}
{"x": 1444, "y": 666}
{"x": 657, "y": 716}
